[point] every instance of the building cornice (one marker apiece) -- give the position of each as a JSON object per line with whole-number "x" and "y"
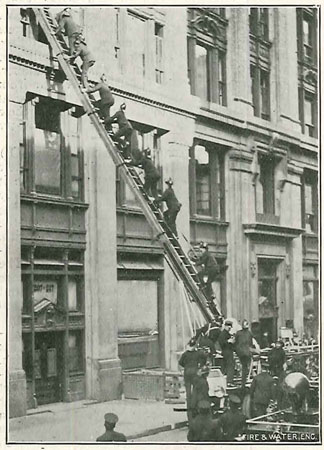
{"x": 262, "y": 229}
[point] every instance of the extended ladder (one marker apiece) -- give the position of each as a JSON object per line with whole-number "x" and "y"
{"x": 180, "y": 261}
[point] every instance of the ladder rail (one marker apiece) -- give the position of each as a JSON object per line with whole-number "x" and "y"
{"x": 149, "y": 211}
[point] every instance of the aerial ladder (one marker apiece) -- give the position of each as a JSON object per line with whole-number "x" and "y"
{"x": 179, "y": 260}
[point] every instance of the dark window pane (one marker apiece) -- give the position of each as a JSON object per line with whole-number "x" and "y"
{"x": 47, "y": 141}
{"x": 265, "y": 95}
{"x": 75, "y": 351}
{"x": 267, "y": 182}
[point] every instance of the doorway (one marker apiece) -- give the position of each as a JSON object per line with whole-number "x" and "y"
{"x": 267, "y": 300}
{"x": 48, "y": 369}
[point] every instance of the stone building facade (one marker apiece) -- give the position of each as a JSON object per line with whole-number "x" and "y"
{"x": 226, "y": 98}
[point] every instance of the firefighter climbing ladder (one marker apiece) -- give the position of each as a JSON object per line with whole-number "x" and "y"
{"x": 173, "y": 250}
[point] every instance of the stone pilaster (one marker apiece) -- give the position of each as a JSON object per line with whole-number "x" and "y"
{"x": 238, "y": 54}
{"x": 284, "y": 70}
{"x": 17, "y": 378}
{"x": 240, "y": 203}
{"x": 296, "y": 283}
{"x": 103, "y": 364}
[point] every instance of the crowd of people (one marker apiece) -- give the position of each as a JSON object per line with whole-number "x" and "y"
{"x": 216, "y": 339}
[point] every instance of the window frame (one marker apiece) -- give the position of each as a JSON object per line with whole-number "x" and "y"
{"x": 27, "y": 150}
{"x": 159, "y": 52}
{"x": 269, "y": 204}
{"x": 310, "y": 178}
{"x": 217, "y": 190}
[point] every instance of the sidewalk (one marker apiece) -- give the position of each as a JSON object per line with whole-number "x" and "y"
{"x": 83, "y": 421}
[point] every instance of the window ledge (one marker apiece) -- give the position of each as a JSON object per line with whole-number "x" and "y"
{"x": 36, "y": 198}
{"x": 207, "y": 219}
{"x": 133, "y": 340}
{"x": 271, "y": 230}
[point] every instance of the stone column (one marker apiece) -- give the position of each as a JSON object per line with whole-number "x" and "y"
{"x": 296, "y": 283}
{"x": 103, "y": 364}
{"x": 238, "y": 55}
{"x": 239, "y": 201}
{"x": 285, "y": 67}
{"x": 17, "y": 378}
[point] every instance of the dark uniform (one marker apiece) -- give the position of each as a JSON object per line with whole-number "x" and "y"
{"x": 261, "y": 391}
{"x": 106, "y": 99}
{"x": 243, "y": 345}
{"x": 200, "y": 392}
{"x": 71, "y": 29}
{"x": 233, "y": 422}
{"x": 125, "y": 128}
{"x": 228, "y": 356}
{"x": 190, "y": 360}
{"x": 174, "y": 206}
{"x": 110, "y": 435}
{"x": 208, "y": 335}
{"x": 276, "y": 359}
{"x": 152, "y": 176}
{"x": 88, "y": 60}
{"x": 203, "y": 428}
{"x": 210, "y": 270}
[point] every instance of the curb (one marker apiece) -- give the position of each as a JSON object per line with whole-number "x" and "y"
{"x": 157, "y": 430}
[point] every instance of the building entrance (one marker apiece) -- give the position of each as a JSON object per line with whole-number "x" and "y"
{"x": 48, "y": 367}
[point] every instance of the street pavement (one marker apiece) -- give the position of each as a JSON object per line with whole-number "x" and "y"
{"x": 179, "y": 435}
{"x": 83, "y": 421}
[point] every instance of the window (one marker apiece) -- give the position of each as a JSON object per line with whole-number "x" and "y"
{"x": 310, "y": 301}
{"x": 75, "y": 359}
{"x": 308, "y": 112}
{"x": 267, "y": 298}
{"x": 50, "y": 154}
{"x": 207, "y": 181}
{"x": 306, "y": 34}
{"x": 76, "y": 161}
{"x": 310, "y": 202}
{"x": 47, "y": 148}
{"x": 259, "y": 22}
{"x": 260, "y": 92}
{"x": 202, "y": 63}
{"x": 266, "y": 186}
{"x": 210, "y": 74}
{"x": 158, "y": 32}
{"x": 202, "y": 181}
{"x": 207, "y": 54}
{"x": 136, "y": 43}
{"x": 24, "y": 20}
{"x": 144, "y": 306}
{"x": 307, "y": 68}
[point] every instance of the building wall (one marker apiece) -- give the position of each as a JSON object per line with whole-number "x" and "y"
{"x": 117, "y": 242}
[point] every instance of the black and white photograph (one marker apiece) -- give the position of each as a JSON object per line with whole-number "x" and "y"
{"x": 162, "y": 224}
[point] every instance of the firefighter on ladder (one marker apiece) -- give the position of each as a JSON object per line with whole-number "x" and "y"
{"x": 210, "y": 269}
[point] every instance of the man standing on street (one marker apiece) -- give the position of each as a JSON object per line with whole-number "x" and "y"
{"x": 203, "y": 428}
{"x": 226, "y": 342}
{"x": 111, "y": 435}
{"x": 200, "y": 390}
{"x": 261, "y": 392}
{"x": 233, "y": 422}
{"x": 173, "y": 204}
{"x": 277, "y": 359}
{"x": 191, "y": 360}
{"x": 243, "y": 347}
{"x": 106, "y": 98}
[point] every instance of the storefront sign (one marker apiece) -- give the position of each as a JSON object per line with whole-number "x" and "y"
{"x": 45, "y": 290}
